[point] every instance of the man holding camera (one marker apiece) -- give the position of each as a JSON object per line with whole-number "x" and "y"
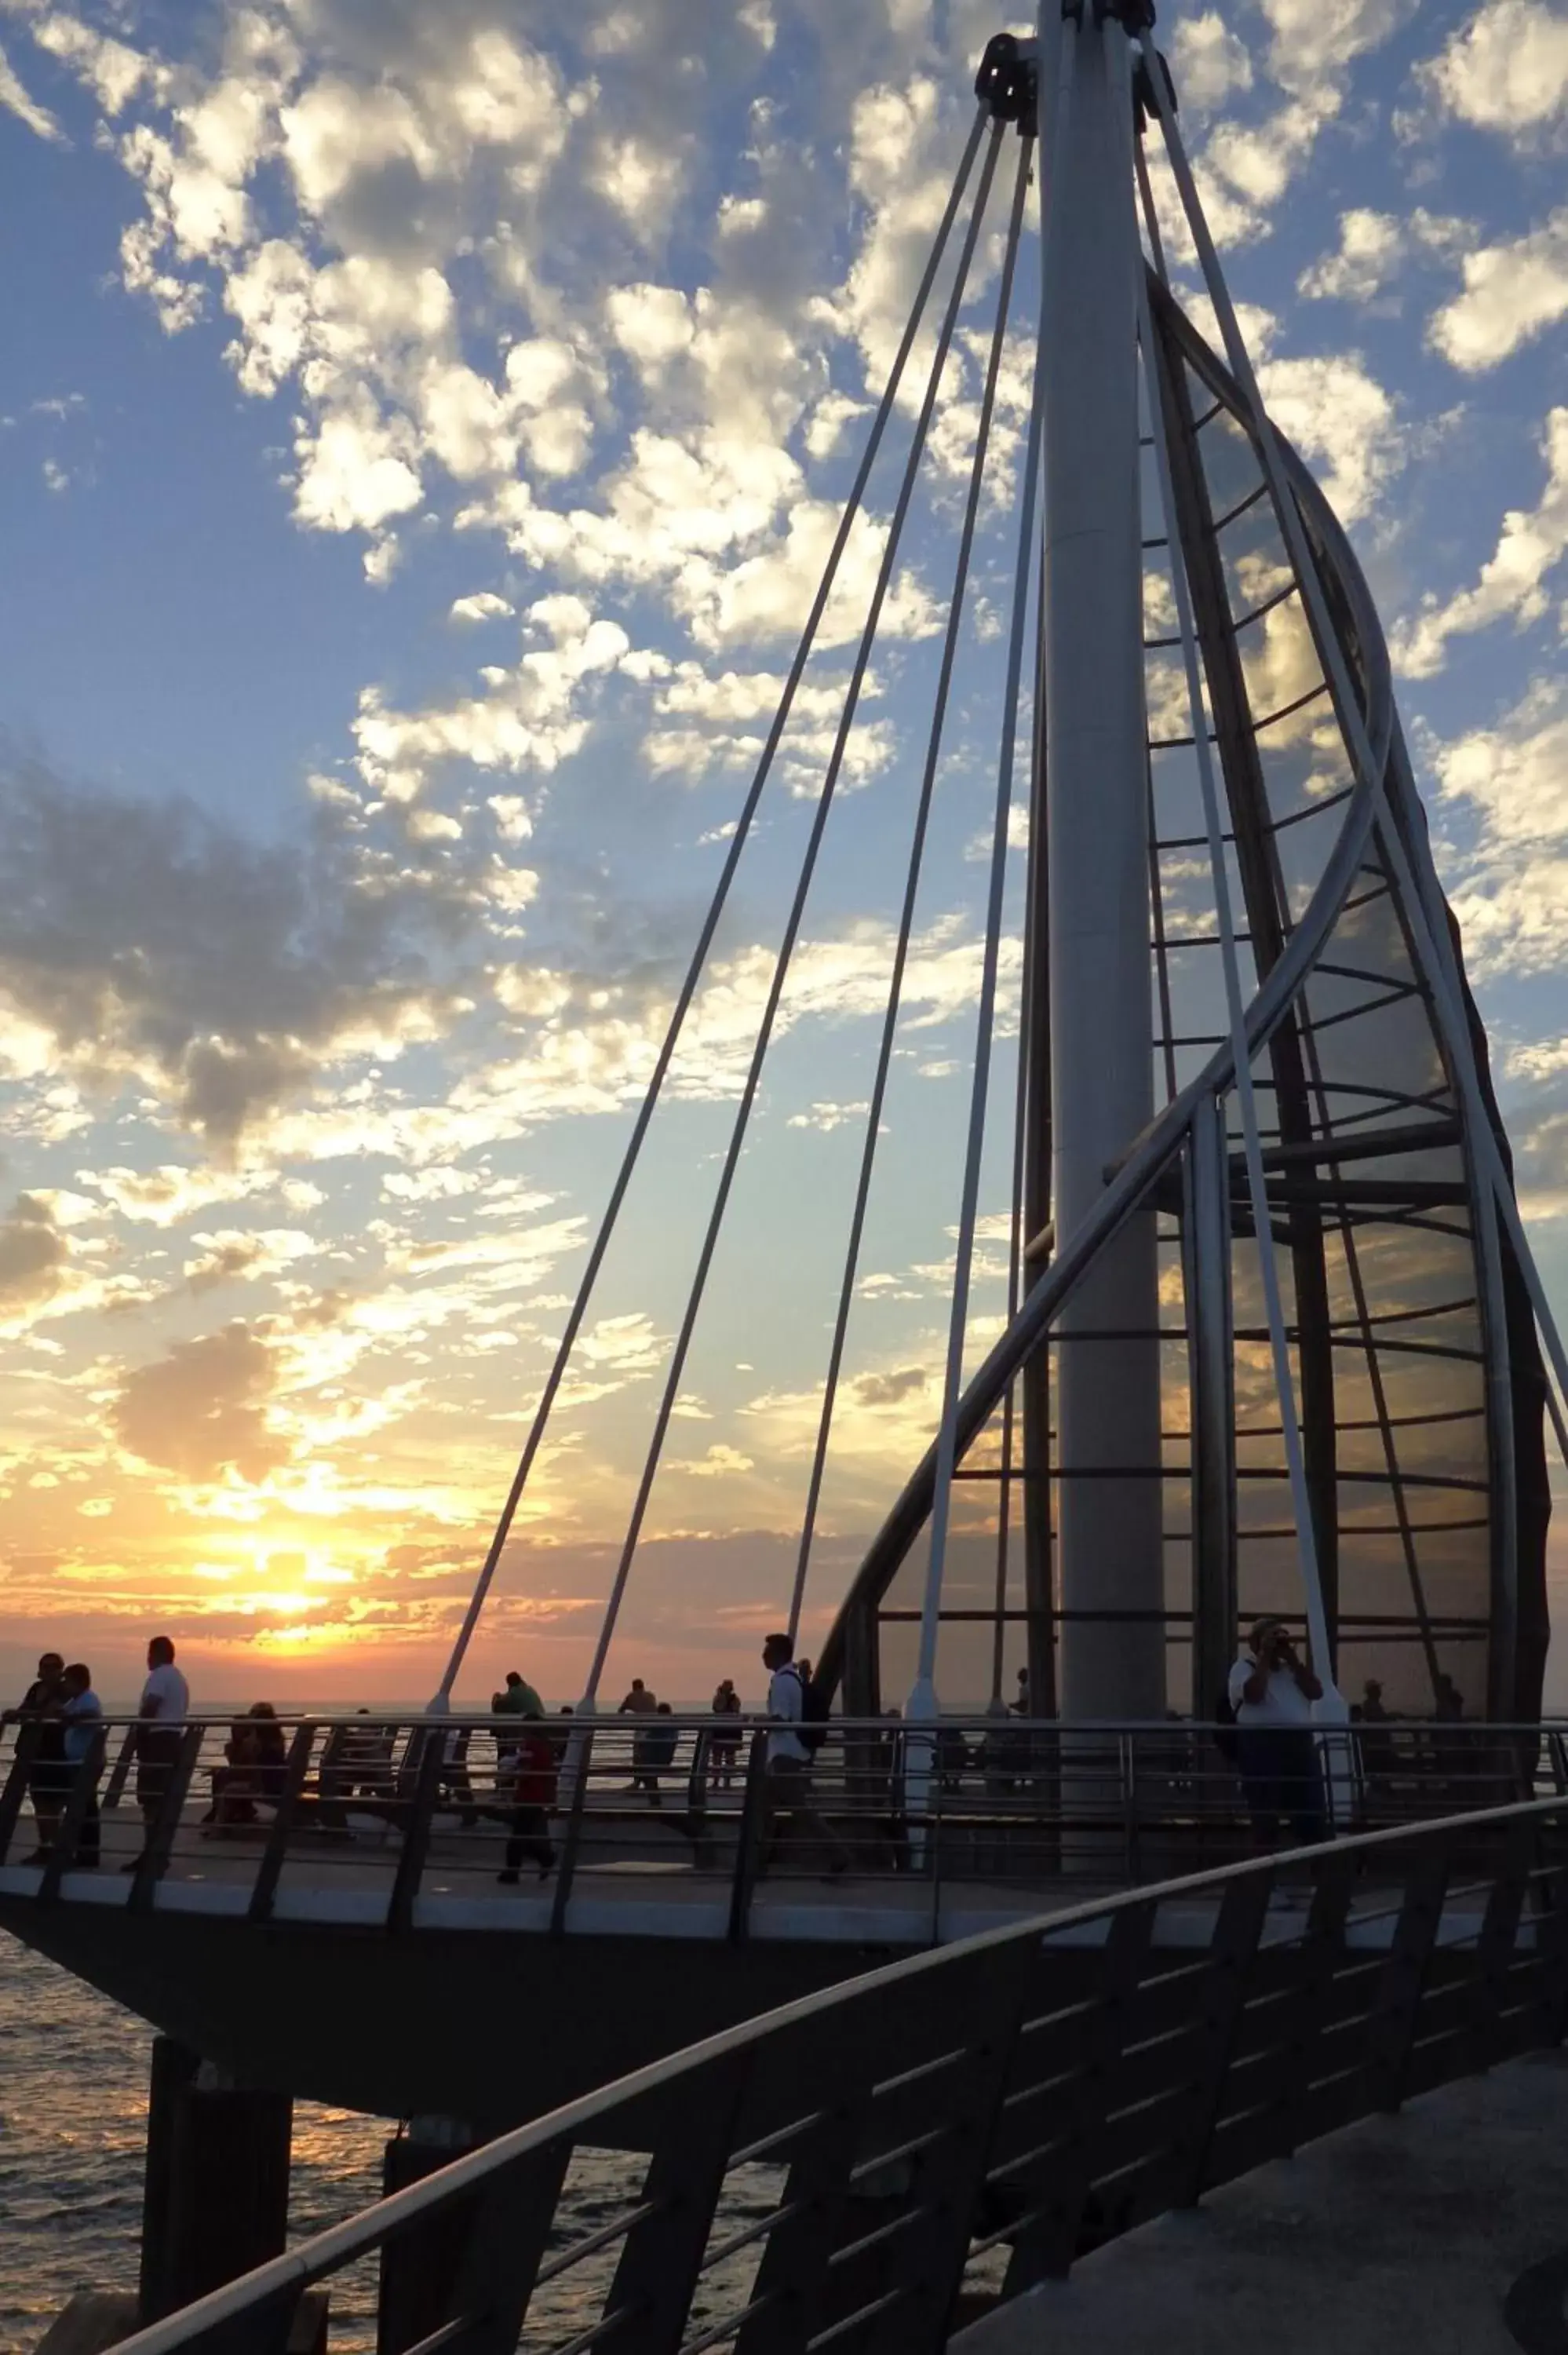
{"x": 1271, "y": 1691}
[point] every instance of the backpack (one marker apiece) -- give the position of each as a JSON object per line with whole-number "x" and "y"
{"x": 816, "y": 1714}
{"x": 1226, "y": 1740}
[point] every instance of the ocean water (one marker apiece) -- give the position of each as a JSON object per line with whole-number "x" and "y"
{"x": 73, "y": 2102}
{"x": 73, "y": 2094}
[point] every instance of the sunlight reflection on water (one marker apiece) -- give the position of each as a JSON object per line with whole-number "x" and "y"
{"x": 73, "y": 2091}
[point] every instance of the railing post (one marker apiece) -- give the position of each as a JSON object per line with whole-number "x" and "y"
{"x": 1555, "y": 1752}
{"x": 1243, "y": 1908}
{"x": 416, "y": 1833}
{"x": 68, "y": 1830}
{"x": 663, "y": 2254}
{"x": 268, "y": 1872}
{"x": 950, "y": 2173}
{"x": 578, "y": 1763}
{"x": 1497, "y": 1948}
{"x": 1046, "y": 2250}
{"x": 152, "y": 1862}
{"x": 1391, "y": 2032}
{"x": 16, "y": 1791}
{"x": 504, "y": 2230}
{"x": 788, "y": 2294}
{"x": 1321, "y": 1947}
{"x": 120, "y": 1772}
{"x": 749, "y": 1841}
{"x": 1126, "y": 1760}
{"x": 698, "y": 1797}
{"x": 1551, "y": 1909}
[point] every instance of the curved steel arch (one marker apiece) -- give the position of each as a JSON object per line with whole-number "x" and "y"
{"x": 1290, "y": 953}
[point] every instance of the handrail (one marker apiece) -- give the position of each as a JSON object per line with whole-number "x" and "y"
{"x": 1030, "y": 2101}
{"x": 1013, "y": 1807}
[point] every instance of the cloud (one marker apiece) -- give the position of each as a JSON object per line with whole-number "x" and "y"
{"x": 1343, "y": 420}
{"x": 485, "y": 606}
{"x": 15, "y": 100}
{"x": 718, "y": 1462}
{"x": 33, "y": 1255}
{"x": 1511, "y": 583}
{"x": 250, "y": 1253}
{"x": 164, "y": 1195}
{"x": 528, "y": 720}
{"x": 201, "y": 1410}
{"x": 1376, "y": 252}
{"x": 146, "y": 942}
{"x": 1506, "y": 70}
{"x": 1513, "y": 290}
{"x": 1315, "y": 42}
{"x": 1209, "y": 61}
{"x": 1511, "y": 890}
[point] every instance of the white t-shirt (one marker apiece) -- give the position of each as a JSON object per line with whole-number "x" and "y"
{"x": 1283, "y": 1703}
{"x": 786, "y": 1700}
{"x": 166, "y": 1695}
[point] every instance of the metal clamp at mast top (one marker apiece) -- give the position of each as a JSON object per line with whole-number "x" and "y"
{"x": 1008, "y": 82}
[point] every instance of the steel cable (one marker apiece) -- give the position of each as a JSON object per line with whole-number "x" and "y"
{"x": 792, "y": 925}
{"x": 923, "y": 1702}
{"x": 912, "y": 883}
{"x": 710, "y": 924}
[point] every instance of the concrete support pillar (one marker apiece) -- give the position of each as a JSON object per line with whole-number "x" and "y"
{"x": 216, "y": 2200}
{"x": 1098, "y": 827}
{"x": 418, "y": 2269}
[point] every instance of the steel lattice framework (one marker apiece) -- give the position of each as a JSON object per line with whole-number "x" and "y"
{"x": 1274, "y": 1340}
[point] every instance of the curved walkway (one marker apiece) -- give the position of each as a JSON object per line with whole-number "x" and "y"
{"x": 1442, "y": 2229}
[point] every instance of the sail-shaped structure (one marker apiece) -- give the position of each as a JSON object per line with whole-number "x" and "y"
{"x": 1274, "y": 1340}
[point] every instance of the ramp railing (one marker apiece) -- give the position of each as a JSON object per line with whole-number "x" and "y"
{"x": 860, "y": 2169}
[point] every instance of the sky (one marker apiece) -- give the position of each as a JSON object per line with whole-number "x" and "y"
{"x": 420, "y": 434}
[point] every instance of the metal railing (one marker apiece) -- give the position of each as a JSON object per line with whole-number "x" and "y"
{"x": 979, "y": 2115}
{"x": 384, "y": 1812}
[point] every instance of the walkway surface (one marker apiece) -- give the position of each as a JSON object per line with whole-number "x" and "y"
{"x": 1443, "y": 2231}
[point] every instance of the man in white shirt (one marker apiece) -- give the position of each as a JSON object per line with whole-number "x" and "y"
{"x": 1271, "y": 1691}
{"x": 787, "y": 1791}
{"x": 165, "y": 1700}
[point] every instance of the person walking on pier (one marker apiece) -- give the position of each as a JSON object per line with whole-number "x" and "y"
{"x": 48, "y": 1777}
{"x": 1272, "y": 1690}
{"x": 81, "y": 1713}
{"x": 787, "y": 1789}
{"x": 166, "y": 1702}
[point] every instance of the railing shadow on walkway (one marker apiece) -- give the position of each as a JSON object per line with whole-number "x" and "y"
{"x": 989, "y": 2110}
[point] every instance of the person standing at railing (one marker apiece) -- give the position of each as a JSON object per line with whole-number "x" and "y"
{"x": 724, "y": 1744}
{"x": 48, "y": 1777}
{"x": 81, "y": 1713}
{"x": 656, "y": 1753}
{"x": 1271, "y": 1691}
{"x": 788, "y": 1784}
{"x": 534, "y": 1795}
{"x": 165, "y": 1704}
{"x": 639, "y": 1702}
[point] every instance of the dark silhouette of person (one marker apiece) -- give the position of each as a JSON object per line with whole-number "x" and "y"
{"x": 533, "y": 1795}
{"x": 49, "y": 1776}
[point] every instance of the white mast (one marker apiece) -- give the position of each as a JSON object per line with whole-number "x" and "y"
{"x": 1098, "y": 846}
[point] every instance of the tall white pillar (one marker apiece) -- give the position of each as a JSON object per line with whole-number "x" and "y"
{"x": 1097, "y": 836}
